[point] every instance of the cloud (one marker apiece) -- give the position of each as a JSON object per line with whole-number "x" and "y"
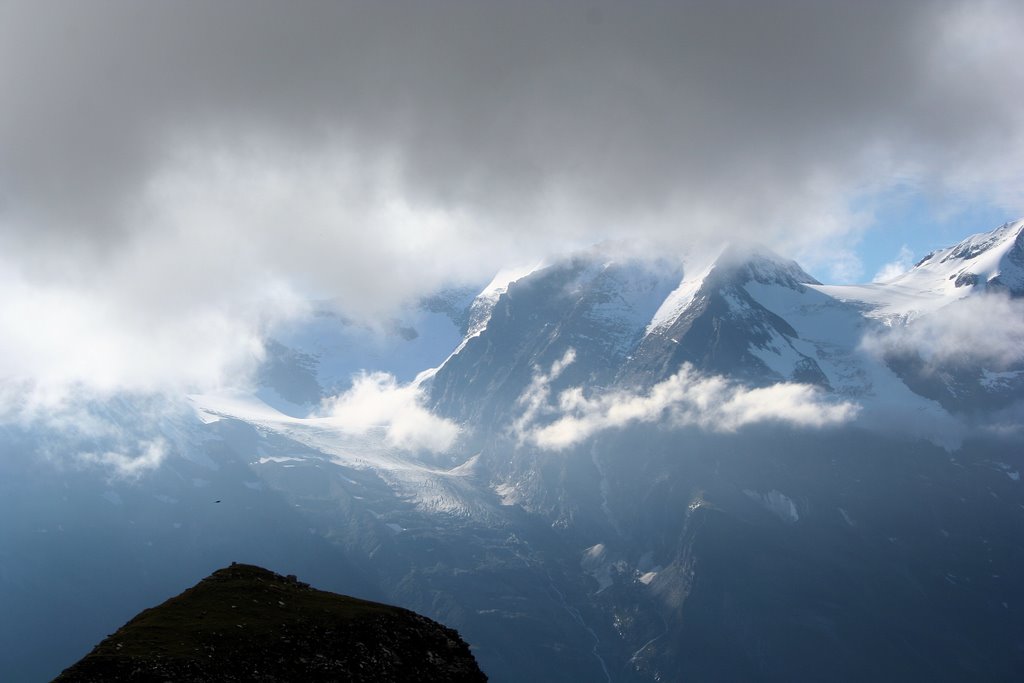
{"x": 513, "y": 111}
{"x": 377, "y": 401}
{"x": 60, "y": 340}
{"x": 536, "y": 398}
{"x": 126, "y": 436}
{"x": 904, "y": 262}
{"x": 685, "y": 399}
{"x": 173, "y": 170}
{"x": 148, "y": 456}
{"x": 987, "y": 329}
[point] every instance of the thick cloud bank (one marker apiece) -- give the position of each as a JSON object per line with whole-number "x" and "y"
{"x": 176, "y": 177}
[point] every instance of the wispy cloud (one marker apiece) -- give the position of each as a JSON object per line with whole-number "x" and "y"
{"x": 377, "y": 401}
{"x": 535, "y": 401}
{"x": 130, "y": 462}
{"x": 126, "y": 437}
{"x": 687, "y": 398}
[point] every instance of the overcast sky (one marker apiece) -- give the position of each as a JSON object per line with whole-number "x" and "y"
{"x": 173, "y": 174}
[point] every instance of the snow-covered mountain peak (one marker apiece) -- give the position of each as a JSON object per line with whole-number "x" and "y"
{"x": 729, "y": 265}
{"x": 604, "y": 266}
{"x": 997, "y": 242}
{"x": 985, "y": 262}
{"x": 750, "y": 262}
{"x": 679, "y": 299}
{"x": 480, "y": 310}
{"x": 988, "y": 260}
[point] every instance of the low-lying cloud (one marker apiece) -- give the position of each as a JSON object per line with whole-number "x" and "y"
{"x": 987, "y": 329}
{"x": 377, "y": 401}
{"x": 685, "y": 399}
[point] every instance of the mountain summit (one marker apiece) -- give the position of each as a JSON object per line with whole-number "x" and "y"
{"x": 986, "y": 261}
{"x": 715, "y": 321}
{"x": 245, "y": 623}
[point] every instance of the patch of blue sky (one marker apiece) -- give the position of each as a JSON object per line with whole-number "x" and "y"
{"x": 908, "y": 222}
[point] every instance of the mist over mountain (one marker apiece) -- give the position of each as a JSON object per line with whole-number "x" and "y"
{"x": 604, "y": 467}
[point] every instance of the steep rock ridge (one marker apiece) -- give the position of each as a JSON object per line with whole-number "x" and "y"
{"x": 736, "y": 592}
{"x": 720, "y": 326}
{"x": 244, "y": 623}
{"x": 596, "y": 306}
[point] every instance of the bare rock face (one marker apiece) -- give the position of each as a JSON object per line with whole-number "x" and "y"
{"x": 245, "y": 623}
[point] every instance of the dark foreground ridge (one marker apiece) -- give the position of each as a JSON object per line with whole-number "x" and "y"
{"x": 245, "y": 623}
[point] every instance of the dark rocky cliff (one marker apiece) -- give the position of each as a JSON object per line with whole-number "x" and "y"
{"x": 245, "y": 623}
